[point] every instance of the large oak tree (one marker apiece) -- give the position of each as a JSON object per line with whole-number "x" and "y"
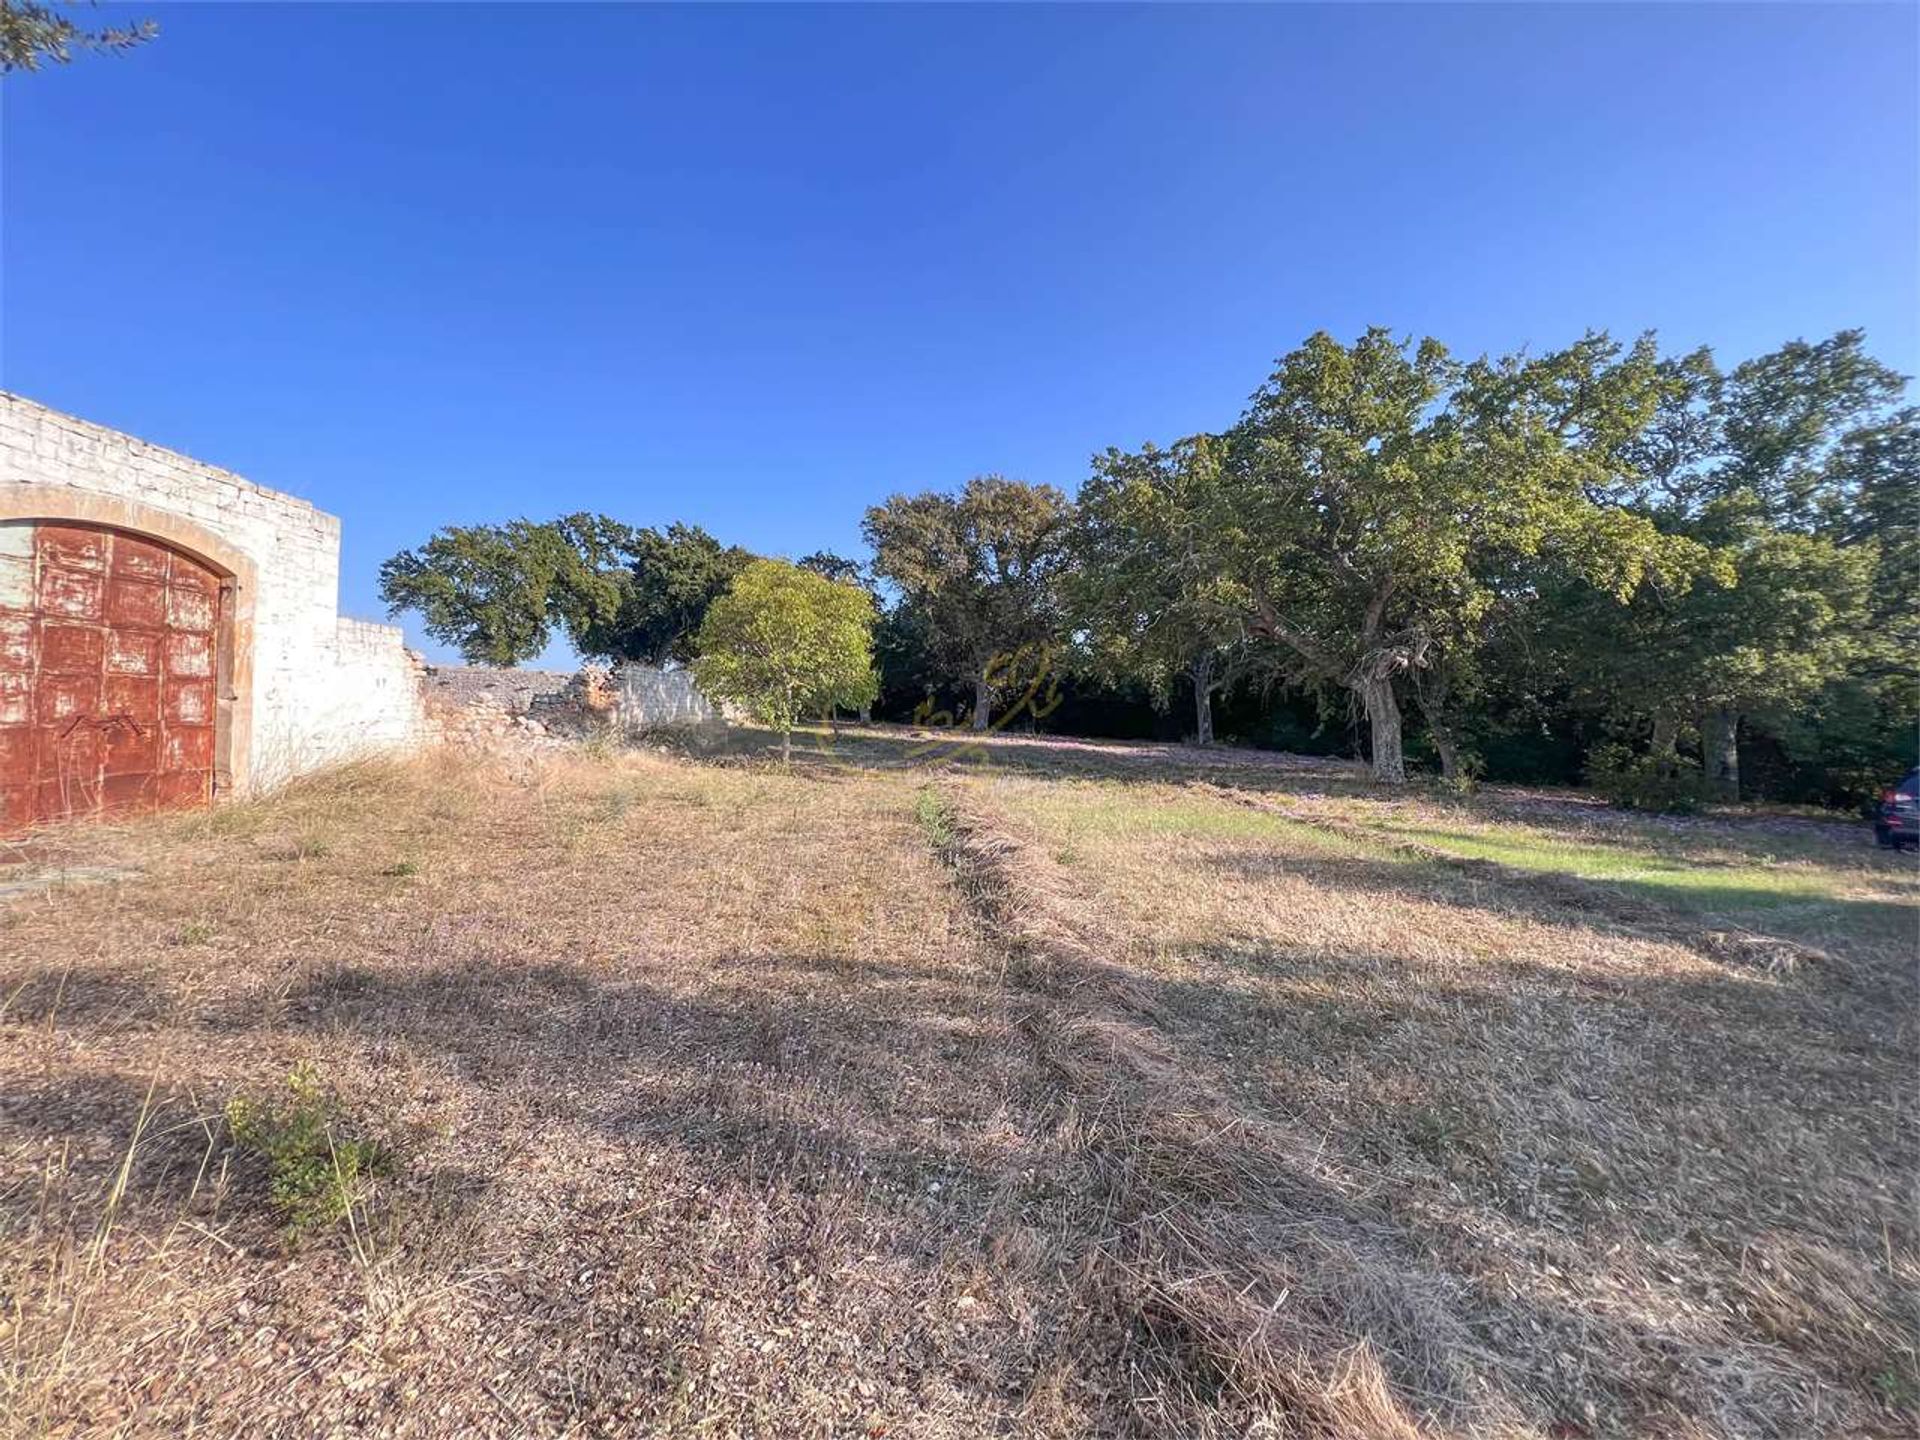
{"x": 497, "y": 592}
{"x": 1145, "y": 596}
{"x": 981, "y": 570}
{"x": 1376, "y": 496}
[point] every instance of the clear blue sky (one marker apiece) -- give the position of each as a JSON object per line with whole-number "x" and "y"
{"x": 756, "y": 268}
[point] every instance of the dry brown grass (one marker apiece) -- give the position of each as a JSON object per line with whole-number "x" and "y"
{"x": 1591, "y": 1132}
{"x": 863, "y": 1100}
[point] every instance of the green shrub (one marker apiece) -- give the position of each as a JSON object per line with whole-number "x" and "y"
{"x": 1643, "y": 782}
{"x": 316, "y": 1171}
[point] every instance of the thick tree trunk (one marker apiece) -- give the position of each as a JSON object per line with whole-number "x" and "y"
{"x": 1661, "y": 748}
{"x": 1203, "y": 700}
{"x": 786, "y": 747}
{"x": 1383, "y": 720}
{"x": 982, "y": 701}
{"x": 1444, "y": 742}
{"x": 1720, "y": 743}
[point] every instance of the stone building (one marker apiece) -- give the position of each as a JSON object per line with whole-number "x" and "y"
{"x": 169, "y": 632}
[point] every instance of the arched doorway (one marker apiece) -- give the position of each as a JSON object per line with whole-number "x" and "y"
{"x": 115, "y": 653}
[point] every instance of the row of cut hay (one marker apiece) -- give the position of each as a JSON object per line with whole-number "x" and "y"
{"x": 1247, "y": 1287}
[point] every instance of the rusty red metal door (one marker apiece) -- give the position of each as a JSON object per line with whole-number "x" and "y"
{"x": 109, "y": 654}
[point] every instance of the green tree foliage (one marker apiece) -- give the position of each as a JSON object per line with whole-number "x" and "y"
{"x": 1377, "y": 497}
{"x": 912, "y": 674}
{"x": 836, "y": 567}
{"x": 1878, "y": 465}
{"x": 783, "y": 643}
{"x": 1599, "y": 555}
{"x": 487, "y": 590}
{"x": 496, "y": 592}
{"x": 1789, "y": 422}
{"x": 32, "y": 34}
{"x": 659, "y": 585}
{"x": 981, "y": 570}
{"x": 1803, "y": 478}
{"x": 1143, "y": 594}
{"x": 852, "y": 572}
{"x": 1761, "y": 637}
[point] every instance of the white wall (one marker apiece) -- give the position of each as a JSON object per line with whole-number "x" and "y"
{"x": 323, "y": 687}
{"x": 654, "y": 699}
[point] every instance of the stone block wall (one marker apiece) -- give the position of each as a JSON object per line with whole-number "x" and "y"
{"x": 649, "y": 698}
{"x": 316, "y": 687}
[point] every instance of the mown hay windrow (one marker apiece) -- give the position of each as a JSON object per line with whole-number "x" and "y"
{"x": 1254, "y": 1286}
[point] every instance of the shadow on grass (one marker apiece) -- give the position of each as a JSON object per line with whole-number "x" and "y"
{"x": 1866, "y": 933}
{"x": 1662, "y": 841}
{"x": 858, "y": 1087}
{"x": 889, "y": 748}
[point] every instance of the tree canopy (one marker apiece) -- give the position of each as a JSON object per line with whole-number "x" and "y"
{"x": 1798, "y": 473}
{"x": 1376, "y": 495}
{"x": 33, "y": 33}
{"x": 487, "y": 590}
{"x": 982, "y": 568}
{"x": 497, "y": 592}
{"x": 660, "y": 585}
{"x": 783, "y": 643}
{"x": 1515, "y": 564}
{"x": 1144, "y": 596}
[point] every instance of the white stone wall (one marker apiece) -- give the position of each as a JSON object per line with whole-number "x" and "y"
{"x": 655, "y": 699}
{"x": 323, "y": 687}
{"x": 370, "y": 699}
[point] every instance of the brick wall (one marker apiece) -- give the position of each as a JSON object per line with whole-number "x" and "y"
{"x": 321, "y": 687}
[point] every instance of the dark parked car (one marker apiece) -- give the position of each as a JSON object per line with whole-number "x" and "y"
{"x": 1896, "y": 818}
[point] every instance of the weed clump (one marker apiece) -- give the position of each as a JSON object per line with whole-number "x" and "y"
{"x": 936, "y": 818}
{"x": 317, "y": 1172}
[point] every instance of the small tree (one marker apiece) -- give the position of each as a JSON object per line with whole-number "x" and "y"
{"x": 783, "y": 642}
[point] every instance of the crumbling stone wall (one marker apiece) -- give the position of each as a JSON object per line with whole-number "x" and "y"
{"x": 513, "y": 691}
{"x": 483, "y": 707}
{"x": 480, "y": 705}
